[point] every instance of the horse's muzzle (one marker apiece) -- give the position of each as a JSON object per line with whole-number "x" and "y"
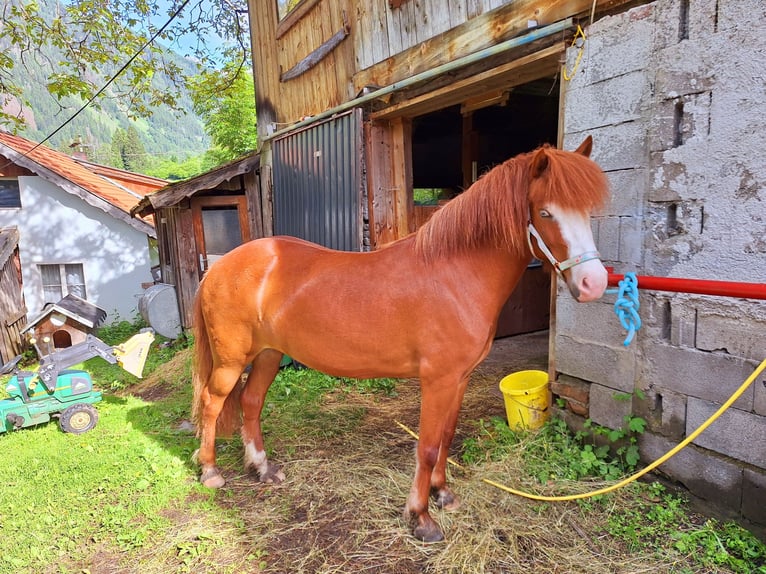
{"x": 587, "y": 281}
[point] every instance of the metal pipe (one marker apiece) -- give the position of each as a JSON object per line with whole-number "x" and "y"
{"x": 527, "y": 38}
{"x": 697, "y": 286}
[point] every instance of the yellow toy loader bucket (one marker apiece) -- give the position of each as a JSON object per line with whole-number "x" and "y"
{"x": 131, "y": 355}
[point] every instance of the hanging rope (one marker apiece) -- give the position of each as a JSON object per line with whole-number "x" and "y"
{"x": 579, "y": 41}
{"x": 626, "y": 306}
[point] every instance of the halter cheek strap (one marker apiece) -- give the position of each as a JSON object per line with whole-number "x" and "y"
{"x": 559, "y": 266}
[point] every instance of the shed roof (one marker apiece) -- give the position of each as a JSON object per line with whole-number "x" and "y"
{"x": 111, "y": 190}
{"x": 174, "y": 193}
{"x": 74, "y": 307}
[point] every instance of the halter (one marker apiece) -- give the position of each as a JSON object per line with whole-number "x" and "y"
{"x": 559, "y": 266}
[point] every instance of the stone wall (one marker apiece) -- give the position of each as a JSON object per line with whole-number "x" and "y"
{"x": 674, "y": 94}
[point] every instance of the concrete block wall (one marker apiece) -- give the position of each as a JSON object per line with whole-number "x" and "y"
{"x": 673, "y": 93}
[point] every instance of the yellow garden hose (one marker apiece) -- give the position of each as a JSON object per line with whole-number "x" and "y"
{"x": 743, "y": 387}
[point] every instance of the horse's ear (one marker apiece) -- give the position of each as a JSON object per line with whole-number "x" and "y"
{"x": 585, "y": 147}
{"x": 539, "y": 163}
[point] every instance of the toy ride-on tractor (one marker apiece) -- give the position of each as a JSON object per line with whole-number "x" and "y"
{"x": 56, "y": 391}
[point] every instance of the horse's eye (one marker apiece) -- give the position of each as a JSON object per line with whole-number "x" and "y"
{"x": 545, "y": 214}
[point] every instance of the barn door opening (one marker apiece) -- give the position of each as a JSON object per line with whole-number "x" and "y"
{"x": 453, "y": 146}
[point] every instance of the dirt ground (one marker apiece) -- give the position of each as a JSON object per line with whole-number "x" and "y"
{"x": 340, "y": 507}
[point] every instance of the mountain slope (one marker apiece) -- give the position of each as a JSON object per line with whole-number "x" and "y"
{"x": 164, "y": 134}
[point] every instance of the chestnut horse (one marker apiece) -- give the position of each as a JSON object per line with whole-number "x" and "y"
{"x": 424, "y": 307}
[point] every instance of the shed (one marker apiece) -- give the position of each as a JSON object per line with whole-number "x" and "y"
{"x": 201, "y": 218}
{"x": 63, "y": 324}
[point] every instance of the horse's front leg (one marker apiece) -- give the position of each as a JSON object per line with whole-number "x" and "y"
{"x": 221, "y": 383}
{"x": 438, "y": 398}
{"x": 441, "y": 493}
{"x": 265, "y": 368}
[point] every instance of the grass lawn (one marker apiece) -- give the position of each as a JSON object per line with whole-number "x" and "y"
{"x": 124, "y": 497}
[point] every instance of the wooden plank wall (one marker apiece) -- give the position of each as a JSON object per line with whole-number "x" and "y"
{"x": 13, "y": 312}
{"x": 279, "y": 46}
{"x": 385, "y": 44}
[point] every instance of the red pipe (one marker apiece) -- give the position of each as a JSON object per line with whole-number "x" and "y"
{"x": 698, "y": 286}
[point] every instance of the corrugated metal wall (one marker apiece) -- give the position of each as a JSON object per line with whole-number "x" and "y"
{"x": 318, "y": 190}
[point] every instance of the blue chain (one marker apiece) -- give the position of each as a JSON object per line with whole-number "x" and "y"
{"x": 626, "y": 306}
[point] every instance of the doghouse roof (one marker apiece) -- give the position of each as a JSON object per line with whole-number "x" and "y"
{"x": 74, "y": 307}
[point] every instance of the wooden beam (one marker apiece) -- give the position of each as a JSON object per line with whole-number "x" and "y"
{"x": 317, "y": 55}
{"x": 520, "y": 71}
{"x": 401, "y": 165}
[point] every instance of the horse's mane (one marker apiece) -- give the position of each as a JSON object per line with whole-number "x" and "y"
{"x": 494, "y": 211}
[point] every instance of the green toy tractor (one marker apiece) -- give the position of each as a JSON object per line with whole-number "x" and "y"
{"x": 67, "y": 394}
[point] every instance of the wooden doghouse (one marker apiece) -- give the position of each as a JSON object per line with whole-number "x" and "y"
{"x": 63, "y": 324}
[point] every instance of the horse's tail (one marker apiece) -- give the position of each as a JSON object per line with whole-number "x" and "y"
{"x": 230, "y": 417}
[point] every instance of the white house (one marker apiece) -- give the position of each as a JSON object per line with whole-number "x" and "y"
{"x": 76, "y": 234}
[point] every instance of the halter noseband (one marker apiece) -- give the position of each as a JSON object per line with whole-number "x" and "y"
{"x": 559, "y": 266}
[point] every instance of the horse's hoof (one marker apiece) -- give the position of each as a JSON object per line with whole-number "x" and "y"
{"x": 446, "y": 499}
{"x": 428, "y": 531}
{"x": 212, "y": 479}
{"x": 273, "y": 475}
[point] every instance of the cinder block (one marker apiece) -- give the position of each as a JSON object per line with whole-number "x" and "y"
{"x": 733, "y": 330}
{"x": 707, "y": 376}
{"x": 615, "y": 147}
{"x": 705, "y": 474}
{"x": 684, "y": 69}
{"x": 614, "y": 101}
{"x": 668, "y": 179}
{"x": 607, "y": 410}
{"x": 736, "y": 433}
{"x": 683, "y": 323}
{"x": 631, "y": 240}
{"x": 594, "y": 322}
{"x": 737, "y": 16}
{"x": 609, "y": 238}
{"x": 673, "y": 408}
{"x": 627, "y": 189}
{"x": 617, "y": 45}
{"x": 754, "y": 496}
{"x": 613, "y": 367}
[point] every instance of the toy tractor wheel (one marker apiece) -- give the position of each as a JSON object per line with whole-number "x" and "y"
{"x": 78, "y": 418}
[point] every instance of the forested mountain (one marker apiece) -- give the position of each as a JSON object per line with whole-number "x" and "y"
{"x": 165, "y": 134}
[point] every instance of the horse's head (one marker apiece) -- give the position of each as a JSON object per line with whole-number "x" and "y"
{"x": 564, "y": 187}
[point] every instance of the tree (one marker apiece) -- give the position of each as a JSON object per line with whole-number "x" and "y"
{"x": 127, "y": 150}
{"x": 225, "y": 100}
{"x": 93, "y": 36}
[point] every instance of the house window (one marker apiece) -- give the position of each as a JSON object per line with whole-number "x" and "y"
{"x": 62, "y": 279}
{"x": 10, "y": 196}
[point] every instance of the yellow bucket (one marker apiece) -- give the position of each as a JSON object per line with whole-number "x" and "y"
{"x": 526, "y": 398}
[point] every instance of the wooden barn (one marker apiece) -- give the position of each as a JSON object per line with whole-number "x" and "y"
{"x": 373, "y": 114}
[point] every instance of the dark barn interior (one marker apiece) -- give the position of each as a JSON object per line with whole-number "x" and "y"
{"x": 453, "y": 146}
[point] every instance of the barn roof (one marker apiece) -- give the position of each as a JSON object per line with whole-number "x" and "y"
{"x": 175, "y": 192}
{"x": 111, "y": 190}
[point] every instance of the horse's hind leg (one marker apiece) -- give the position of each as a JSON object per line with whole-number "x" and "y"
{"x": 221, "y": 383}
{"x": 265, "y": 367}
